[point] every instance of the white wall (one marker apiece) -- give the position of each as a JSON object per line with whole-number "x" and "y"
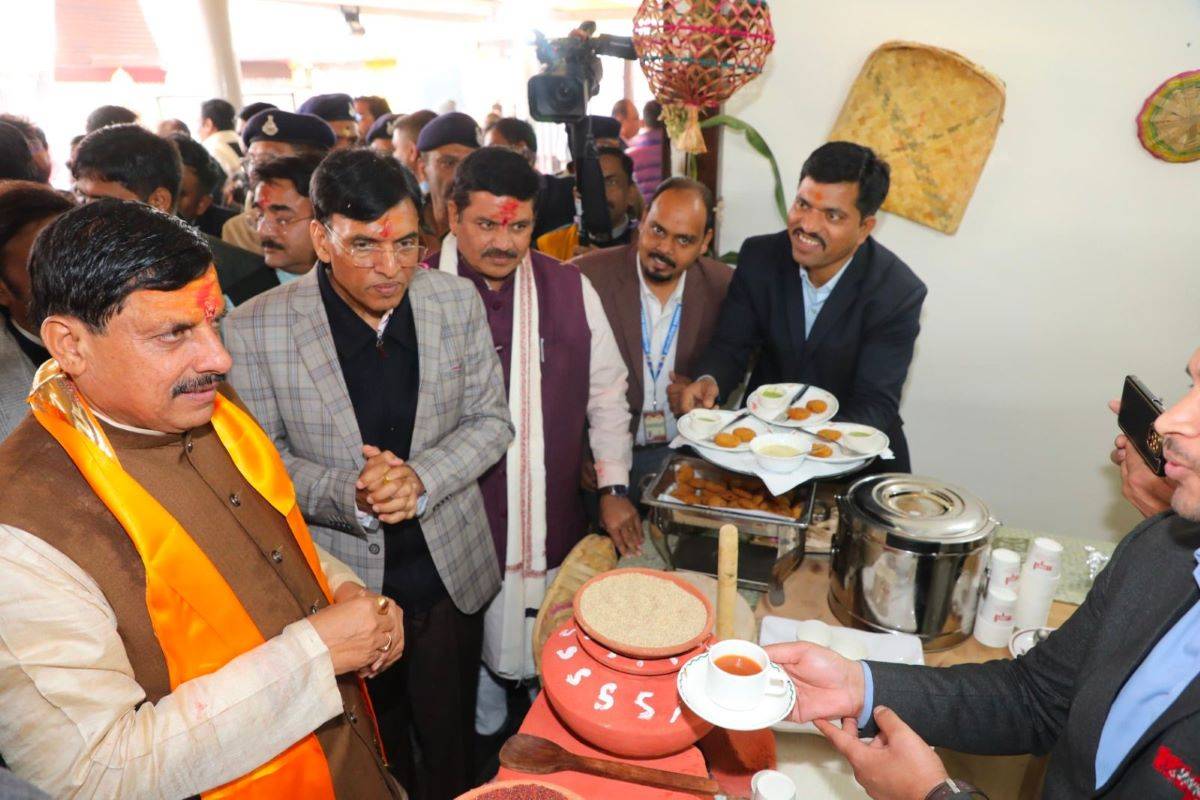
{"x": 1078, "y": 260}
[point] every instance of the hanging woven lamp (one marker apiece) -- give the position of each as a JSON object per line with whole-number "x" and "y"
{"x": 697, "y": 53}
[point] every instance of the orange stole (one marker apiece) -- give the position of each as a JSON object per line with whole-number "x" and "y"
{"x": 199, "y": 621}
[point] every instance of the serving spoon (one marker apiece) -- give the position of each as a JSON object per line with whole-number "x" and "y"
{"x": 538, "y": 756}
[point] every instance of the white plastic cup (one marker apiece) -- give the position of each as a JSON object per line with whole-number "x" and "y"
{"x": 1044, "y": 557}
{"x": 741, "y": 692}
{"x": 770, "y": 784}
{"x": 1004, "y": 569}
{"x": 1039, "y": 583}
{"x": 994, "y": 620}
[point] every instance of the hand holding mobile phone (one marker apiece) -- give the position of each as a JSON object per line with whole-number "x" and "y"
{"x": 1139, "y": 409}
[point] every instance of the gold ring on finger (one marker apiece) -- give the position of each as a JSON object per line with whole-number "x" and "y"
{"x": 387, "y": 646}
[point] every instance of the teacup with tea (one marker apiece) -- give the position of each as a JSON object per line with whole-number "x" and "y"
{"x": 739, "y": 675}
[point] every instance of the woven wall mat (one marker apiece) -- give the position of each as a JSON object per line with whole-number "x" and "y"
{"x": 933, "y": 116}
{"x": 1169, "y": 122}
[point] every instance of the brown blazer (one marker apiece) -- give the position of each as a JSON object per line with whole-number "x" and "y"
{"x": 613, "y": 273}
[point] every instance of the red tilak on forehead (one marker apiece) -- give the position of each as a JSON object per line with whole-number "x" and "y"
{"x": 385, "y": 230}
{"x": 265, "y": 195}
{"x": 508, "y": 210}
{"x": 207, "y": 300}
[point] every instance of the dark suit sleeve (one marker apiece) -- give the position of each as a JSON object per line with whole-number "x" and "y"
{"x": 739, "y": 329}
{"x": 1002, "y": 707}
{"x": 883, "y": 360}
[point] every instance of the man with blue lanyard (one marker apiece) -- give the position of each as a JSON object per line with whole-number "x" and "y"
{"x": 661, "y": 297}
{"x": 1113, "y": 695}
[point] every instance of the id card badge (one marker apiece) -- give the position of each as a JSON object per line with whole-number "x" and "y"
{"x": 655, "y": 425}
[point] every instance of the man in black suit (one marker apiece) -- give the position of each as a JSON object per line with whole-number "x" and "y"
{"x": 822, "y": 302}
{"x": 1113, "y": 695}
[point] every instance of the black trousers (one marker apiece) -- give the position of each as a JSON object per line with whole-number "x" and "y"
{"x": 428, "y": 696}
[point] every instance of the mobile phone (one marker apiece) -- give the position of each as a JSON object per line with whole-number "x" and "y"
{"x": 1139, "y": 409}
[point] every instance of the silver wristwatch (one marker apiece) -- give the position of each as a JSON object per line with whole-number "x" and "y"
{"x": 954, "y": 789}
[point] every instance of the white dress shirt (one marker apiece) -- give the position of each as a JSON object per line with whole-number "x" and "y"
{"x": 75, "y": 722}
{"x": 658, "y": 318}
{"x": 607, "y": 408}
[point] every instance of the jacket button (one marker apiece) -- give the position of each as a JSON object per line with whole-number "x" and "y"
{"x": 277, "y": 556}
{"x": 188, "y": 446}
{"x": 350, "y": 715}
{"x": 234, "y": 500}
{"x": 314, "y": 608}
{"x": 373, "y": 549}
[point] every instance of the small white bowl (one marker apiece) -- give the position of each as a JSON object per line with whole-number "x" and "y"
{"x": 773, "y": 405}
{"x": 778, "y": 463}
{"x": 705, "y": 423}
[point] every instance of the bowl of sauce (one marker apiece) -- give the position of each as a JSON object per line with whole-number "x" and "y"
{"x": 779, "y": 452}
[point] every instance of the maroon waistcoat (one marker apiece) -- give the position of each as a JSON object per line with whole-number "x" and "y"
{"x": 566, "y": 369}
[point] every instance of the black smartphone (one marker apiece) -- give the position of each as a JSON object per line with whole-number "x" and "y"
{"x": 1139, "y": 409}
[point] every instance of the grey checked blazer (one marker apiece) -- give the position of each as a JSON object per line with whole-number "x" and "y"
{"x": 16, "y": 376}
{"x": 286, "y": 370}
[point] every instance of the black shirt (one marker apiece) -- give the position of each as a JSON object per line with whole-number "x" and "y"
{"x": 382, "y": 375}
{"x": 214, "y": 219}
{"x": 36, "y": 354}
{"x": 555, "y": 204}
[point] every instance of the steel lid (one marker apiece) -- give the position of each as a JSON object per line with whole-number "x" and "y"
{"x": 922, "y": 509}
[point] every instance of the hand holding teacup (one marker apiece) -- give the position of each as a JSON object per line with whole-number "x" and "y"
{"x": 738, "y": 677}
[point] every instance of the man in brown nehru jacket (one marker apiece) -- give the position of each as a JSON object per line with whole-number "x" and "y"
{"x": 167, "y": 627}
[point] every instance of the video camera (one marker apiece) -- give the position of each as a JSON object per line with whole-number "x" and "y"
{"x": 570, "y": 78}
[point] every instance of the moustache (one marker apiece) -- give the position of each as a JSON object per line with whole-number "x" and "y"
{"x": 1171, "y": 451}
{"x": 657, "y": 256}
{"x": 495, "y": 252}
{"x": 200, "y": 383}
{"x": 798, "y": 229}
{"x": 271, "y": 244}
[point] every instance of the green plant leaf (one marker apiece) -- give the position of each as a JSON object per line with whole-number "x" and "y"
{"x": 760, "y": 146}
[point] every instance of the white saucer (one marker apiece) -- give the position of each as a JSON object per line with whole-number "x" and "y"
{"x": 772, "y": 709}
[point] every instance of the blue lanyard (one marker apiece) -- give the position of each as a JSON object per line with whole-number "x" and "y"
{"x": 655, "y": 372}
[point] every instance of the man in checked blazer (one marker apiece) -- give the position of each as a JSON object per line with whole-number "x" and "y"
{"x": 380, "y": 386}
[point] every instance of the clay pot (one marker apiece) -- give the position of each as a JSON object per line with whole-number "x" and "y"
{"x": 631, "y": 715}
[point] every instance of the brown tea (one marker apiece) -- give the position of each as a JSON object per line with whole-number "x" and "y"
{"x": 738, "y": 665}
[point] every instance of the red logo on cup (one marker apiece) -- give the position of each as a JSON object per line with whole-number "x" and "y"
{"x": 1002, "y": 617}
{"x": 1013, "y": 578}
{"x": 1042, "y": 565}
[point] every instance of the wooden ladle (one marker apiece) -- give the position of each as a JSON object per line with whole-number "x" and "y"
{"x": 539, "y": 756}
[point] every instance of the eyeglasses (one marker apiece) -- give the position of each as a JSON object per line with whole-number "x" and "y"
{"x": 368, "y": 254}
{"x": 260, "y": 220}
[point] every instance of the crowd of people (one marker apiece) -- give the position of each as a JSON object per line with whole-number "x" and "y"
{"x": 303, "y": 412}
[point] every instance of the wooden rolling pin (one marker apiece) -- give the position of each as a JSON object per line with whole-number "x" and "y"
{"x": 727, "y": 574}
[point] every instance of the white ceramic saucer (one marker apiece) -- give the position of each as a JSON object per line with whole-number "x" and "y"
{"x": 772, "y": 709}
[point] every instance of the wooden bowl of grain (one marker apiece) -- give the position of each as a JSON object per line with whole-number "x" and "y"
{"x": 643, "y": 613}
{"x": 524, "y": 789}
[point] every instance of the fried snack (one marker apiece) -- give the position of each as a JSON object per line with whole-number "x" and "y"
{"x": 816, "y": 406}
{"x": 726, "y": 440}
{"x": 820, "y": 450}
{"x": 797, "y": 414}
{"x": 829, "y": 434}
{"x": 732, "y": 492}
{"x": 745, "y": 434}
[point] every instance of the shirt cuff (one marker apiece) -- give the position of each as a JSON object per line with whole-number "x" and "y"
{"x": 611, "y": 473}
{"x": 367, "y": 521}
{"x": 864, "y": 717}
{"x": 422, "y": 502}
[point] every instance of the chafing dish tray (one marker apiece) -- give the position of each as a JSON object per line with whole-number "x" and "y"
{"x": 686, "y": 534}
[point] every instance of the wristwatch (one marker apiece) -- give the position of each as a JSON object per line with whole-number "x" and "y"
{"x": 955, "y": 789}
{"x": 618, "y": 489}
